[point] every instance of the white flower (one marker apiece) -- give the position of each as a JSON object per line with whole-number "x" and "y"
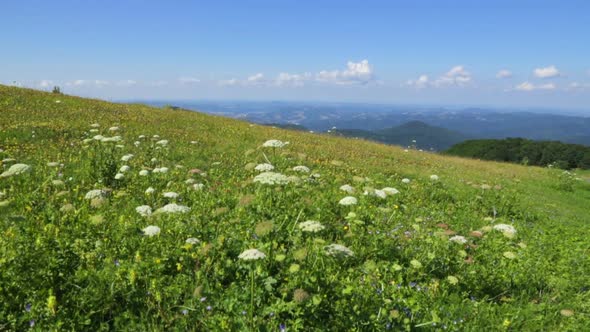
{"x": 119, "y": 176}
{"x": 127, "y": 157}
{"x": 52, "y": 164}
{"x": 190, "y": 181}
{"x": 124, "y": 169}
{"x": 153, "y": 160}
{"x": 301, "y": 168}
{"x": 111, "y": 139}
{"x": 458, "y": 239}
{"x": 86, "y": 141}
{"x": 94, "y": 130}
{"x": 271, "y": 178}
{"x": 137, "y": 143}
{"x": 151, "y": 231}
{"x": 113, "y": 128}
{"x": 163, "y": 142}
{"x": 338, "y": 250}
{"x": 160, "y": 170}
{"x": 170, "y": 194}
{"x": 390, "y": 191}
{"x": 274, "y": 143}
{"x": 508, "y": 230}
{"x": 192, "y": 240}
{"x": 406, "y": 181}
{"x": 16, "y": 169}
{"x": 376, "y": 193}
{"x": 198, "y": 186}
{"x": 156, "y": 136}
{"x": 311, "y": 226}
{"x": 96, "y": 193}
{"x": 95, "y": 125}
{"x": 144, "y": 210}
{"x": 434, "y": 177}
{"x": 98, "y": 137}
{"x": 144, "y": 172}
{"x": 141, "y": 136}
{"x": 173, "y": 208}
{"x": 251, "y": 255}
{"x": 348, "y": 188}
{"x": 150, "y": 191}
{"x": 264, "y": 167}
{"x": 348, "y": 200}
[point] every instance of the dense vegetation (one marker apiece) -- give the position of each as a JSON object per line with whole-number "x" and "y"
{"x": 412, "y": 134}
{"x": 126, "y": 217}
{"x": 519, "y": 150}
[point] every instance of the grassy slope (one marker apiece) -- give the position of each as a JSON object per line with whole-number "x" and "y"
{"x": 562, "y": 216}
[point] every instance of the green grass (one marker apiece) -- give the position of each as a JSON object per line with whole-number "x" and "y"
{"x": 69, "y": 263}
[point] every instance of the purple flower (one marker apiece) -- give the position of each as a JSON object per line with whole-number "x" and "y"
{"x": 282, "y": 327}
{"x": 32, "y": 323}
{"x": 117, "y": 263}
{"x": 413, "y": 284}
{"x": 209, "y": 308}
{"x": 28, "y": 307}
{"x": 184, "y": 312}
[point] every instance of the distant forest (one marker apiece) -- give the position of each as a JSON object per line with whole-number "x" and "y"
{"x": 524, "y": 151}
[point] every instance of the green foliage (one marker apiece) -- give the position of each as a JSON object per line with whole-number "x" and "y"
{"x": 431, "y": 256}
{"x": 527, "y": 152}
{"x": 56, "y": 90}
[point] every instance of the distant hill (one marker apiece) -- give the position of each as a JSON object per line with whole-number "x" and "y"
{"x": 289, "y": 126}
{"x": 426, "y": 137}
{"x": 519, "y": 150}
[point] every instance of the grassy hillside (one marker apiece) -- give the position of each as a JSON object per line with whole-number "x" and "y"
{"x": 413, "y": 133}
{"x": 480, "y": 246}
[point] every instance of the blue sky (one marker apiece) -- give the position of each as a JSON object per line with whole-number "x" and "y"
{"x": 487, "y": 53}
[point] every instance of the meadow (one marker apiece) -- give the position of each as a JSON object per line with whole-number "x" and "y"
{"x": 128, "y": 217}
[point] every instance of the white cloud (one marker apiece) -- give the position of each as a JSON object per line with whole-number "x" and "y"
{"x": 230, "y": 82}
{"x": 46, "y": 83}
{"x": 188, "y": 80}
{"x": 101, "y": 83}
{"x": 420, "y": 83}
{"x": 504, "y": 73}
{"x": 286, "y": 79}
{"x": 456, "y": 76}
{"x": 546, "y": 72}
{"x": 77, "y": 83}
{"x": 528, "y": 86}
{"x": 255, "y": 79}
{"x": 355, "y": 73}
{"x": 127, "y": 83}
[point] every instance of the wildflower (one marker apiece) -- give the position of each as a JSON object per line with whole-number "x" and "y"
{"x": 458, "y": 239}
{"x": 192, "y": 240}
{"x": 302, "y": 169}
{"x": 95, "y": 125}
{"x": 434, "y": 177}
{"x": 271, "y": 178}
{"x": 113, "y": 128}
{"x": 124, "y": 168}
{"x": 452, "y": 280}
{"x": 390, "y": 191}
{"x": 173, "y": 208}
{"x": 144, "y": 172}
{"x": 119, "y": 176}
{"x": 198, "y": 186}
{"x": 251, "y": 255}
{"x": 96, "y": 193}
{"x": 170, "y": 194}
{"x": 509, "y": 255}
{"x": 150, "y": 191}
{"x": 160, "y": 170}
{"x": 567, "y": 312}
{"x": 52, "y": 164}
{"x": 311, "y": 226}
{"x": 137, "y": 143}
{"x": 274, "y": 143}
{"x": 98, "y": 137}
{"x": 111, "y": 139}
{"x": 264, "y": 167}
{"x": 338, "y": 250}
{"x": 348, "y": 200}
{"x": 144, "y": 210}
{"x": 16, "y": 169}
{"x": 376, "y": 193}
{"x": 507, "y": 230}
{"x": 190, "y": 181}
{"x": 127, "y": 157}
{"x": 151, "y": 231}
{"x": 347, "y": 188}
{"x": 163, "y": 142}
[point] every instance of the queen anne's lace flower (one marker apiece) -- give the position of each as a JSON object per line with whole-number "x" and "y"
{"x": 251, "y": 255}
{"x": 119, "y": 176}
{"x": 264, "y": 167}
{"x": 170, "y": 194}
{"x": 173, "y": 208}
{"x": 406, "y": 181}
{"x": 390, "y": 191}
{"x": 508, "y": 230}
{"x": 348, "y": 200}
{"x": 338, "y": 250}
{"x": 311, "y": 226}
{"x": 151, "y": 231}
{"x": 144, "y": 210}
{"x": 271, "y": 178}
{"x": 144, "y": 172}
{"x": 16, "y": 169}
{"x": 274, "y": 143}
{"x": 347, "y": 188}
{"x": 434, "y": 177}
{"x": 301, "y": 168}
{"x": 192, "y": 240}
{"x": 458, "y": 239}
{"x": 124, "y": 169}
{"x": 111, "y": 139}
{"x": 127, "y": 157}
{"x": 150, "y": 191}
{"x": 96, "y": 193}
{"x": 163, "y": 142}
